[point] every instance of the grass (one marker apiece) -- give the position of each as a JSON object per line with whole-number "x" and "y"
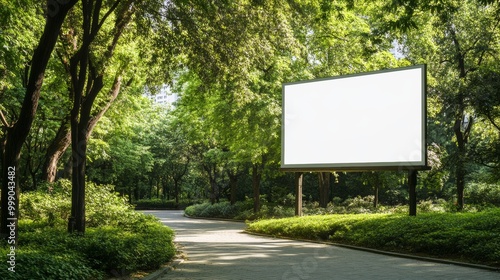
{"x": 469, "y": 237}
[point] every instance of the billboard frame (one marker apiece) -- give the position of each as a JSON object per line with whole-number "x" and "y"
{"x": 363, "y": 166}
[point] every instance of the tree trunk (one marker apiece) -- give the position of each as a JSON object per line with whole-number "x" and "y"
{"x": 16, "y": 134}
{"x": 299, "y": 176}
{"x": 165, "y": 190}
{"x": 376, "y": 182}
{"x": 213, "y": 192}
{"x": 461, "y": 136}
{"x": 63, "y": 137}
{"x": 158, "y": 185}
{"x": 56, "y": 150}
{"x": 233, "y": 184}
{"x": 79, "y": 148}
{"x": 176, "y": 191}
{"x": 460, "y": 171}
{"x": 324, "y": 188}
{"x": 256, "y": 176}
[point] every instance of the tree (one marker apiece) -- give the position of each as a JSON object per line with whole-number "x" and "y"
{"x": 172, "y": 152}
{"x": 484, "y": 88}
{"x": 455, "y": 39}
{"x": 324, "y": 188}
{"x": 103, "y": 26}
{"x": 17, "y": 131}
{"x": 127, "y": 64}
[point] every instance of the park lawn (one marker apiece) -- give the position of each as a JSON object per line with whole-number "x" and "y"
{"x": 468, "y": 237}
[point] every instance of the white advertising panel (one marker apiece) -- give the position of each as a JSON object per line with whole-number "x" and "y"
{"x": 364, "y": 121}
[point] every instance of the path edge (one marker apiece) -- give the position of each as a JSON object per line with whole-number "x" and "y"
{"x": 164, "y": 269}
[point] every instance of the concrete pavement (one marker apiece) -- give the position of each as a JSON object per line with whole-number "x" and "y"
{"x": 220, "y": 250}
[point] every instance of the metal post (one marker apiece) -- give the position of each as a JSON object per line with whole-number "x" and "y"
{"x": 412, "y": 184}
{"x": 298, "y": 193}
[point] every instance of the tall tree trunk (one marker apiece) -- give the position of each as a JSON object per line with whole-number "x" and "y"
{"x": 213, "y": 191}
{"x": 176, "y": 191}
{"x": 256, "y": 176}
{"x": 460, "y": 171}
{"x": 16, "y": 134}
{"x": 165, "y": 190}
{"x": 233, "y": 184}
{"x": 461, "y": 136}
{"x": 158, "y": 184}
{"x": 324, "y": 188}
{"x": 376, "y": 182}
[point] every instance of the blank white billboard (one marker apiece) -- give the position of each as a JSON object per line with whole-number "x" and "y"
{"x": 373, "y": 120}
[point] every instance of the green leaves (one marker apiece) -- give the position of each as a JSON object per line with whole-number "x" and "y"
{"x": 118, "y": 239}
{"x": 472, "y": 236}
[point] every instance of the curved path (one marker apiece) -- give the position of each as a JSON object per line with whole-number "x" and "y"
{"x": 220, "y": 250}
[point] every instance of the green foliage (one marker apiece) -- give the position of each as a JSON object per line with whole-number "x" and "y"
{"x": 36, "y": 263}
{"x": 241, "y": 210}
{"x": 218, "y": 210}
{"x": 118, "y": 240}
{"x": 51, "y": 253}
{"x": 472, "y": 237}
{"x": 158, "y": 203}
{"x": 483, "y": 195}
{"x": 112, "y": 249}
{"x": 52, "y": 204}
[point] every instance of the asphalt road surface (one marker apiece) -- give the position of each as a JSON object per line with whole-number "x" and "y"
{"x": 219, "y": 250}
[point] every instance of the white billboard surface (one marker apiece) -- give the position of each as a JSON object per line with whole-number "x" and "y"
{"x": 361, "y": 121}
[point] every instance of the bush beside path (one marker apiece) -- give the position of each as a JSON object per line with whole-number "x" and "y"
{"x": 468, "y": 237}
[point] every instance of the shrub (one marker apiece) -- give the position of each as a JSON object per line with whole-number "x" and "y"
{"x": 112, "y": 249}
{"x": 117, "y": 239}
{"x": 425, "y": 206}
{"x": 52, "y": 204}
{"x": 142, "y": 244}
{"x": 34, "y": 263}
{"x": 483, "y": 195}
{"x": 474, "y": 237}
{"x": 158, "y": 203}
{"x": 195, "y": 210}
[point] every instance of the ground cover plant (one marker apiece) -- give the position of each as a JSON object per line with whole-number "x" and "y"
{"x": 117, "y": 241}
{"x": 471, "y": 237}
{"x": 243, "y": 210}
{"x": 163, "y": 204}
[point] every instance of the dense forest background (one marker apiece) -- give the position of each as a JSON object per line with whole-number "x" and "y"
{"x": 227, "y": 61}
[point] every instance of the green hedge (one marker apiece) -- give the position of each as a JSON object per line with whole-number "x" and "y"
{"x": 158, "y": 203}
{"x": 473, "y": 237}
{"x": 241, "y": 210}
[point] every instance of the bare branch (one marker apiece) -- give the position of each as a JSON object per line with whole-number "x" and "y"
{"x": 490, "y": 118}
{"x": 108, "y": 13}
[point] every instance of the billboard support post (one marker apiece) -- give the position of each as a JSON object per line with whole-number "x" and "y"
{"x": 412, "y": 185}
{"x": 298, "y": 193}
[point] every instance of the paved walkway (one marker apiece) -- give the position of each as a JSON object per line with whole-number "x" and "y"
{"x": 219, "y": 250}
